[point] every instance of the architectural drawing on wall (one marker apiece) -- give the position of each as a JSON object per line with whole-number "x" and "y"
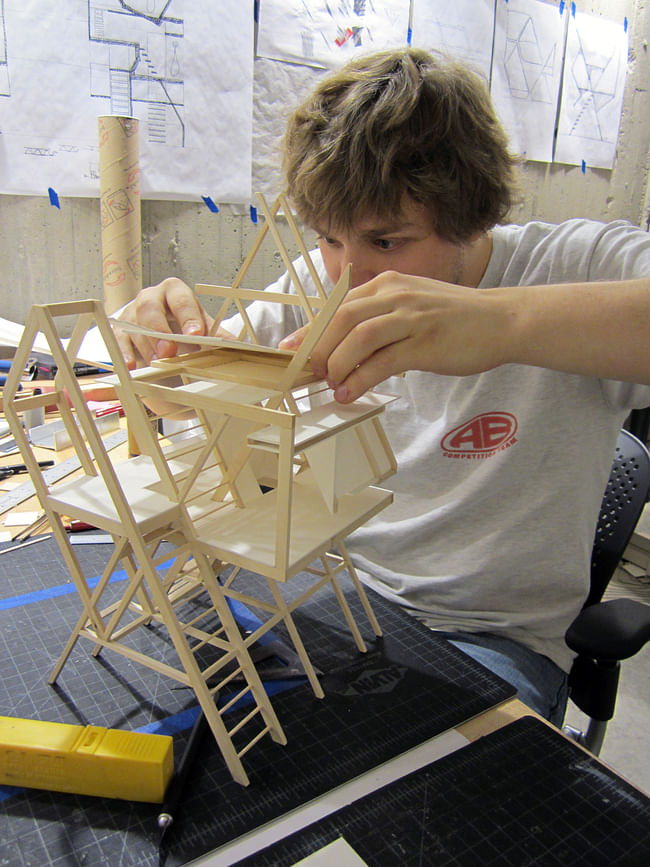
{"x": 152, "y": 59}
{"x": 137, "y": 64}
{"x": 528, "y": 42}
{"x": 4, "y": 63}
{"x": 529, "y": 72}
{"x": 592, "y": 91}
{"x": 462, "y": 31}
{"x": 322, "y": 33}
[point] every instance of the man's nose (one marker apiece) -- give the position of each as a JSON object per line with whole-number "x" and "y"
{"x": 363, "y": 269}
{"x": 360, "y": 276}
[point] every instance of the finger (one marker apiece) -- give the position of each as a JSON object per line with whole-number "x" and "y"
{"x": 149, "y": 309}
{"x": 363, "y": 341}
{"x": 147, "y": 348}
{"x": 165, "y": 349}
{"x": 357, "y": 318}
{"x": 185, "y": 309}
{"x": 221, "y": 332}
{"x": 293, "y": 341}
{"x": 126, "y": 348}
{"x": 171, "y": 307}
{"x": 388, "y": 361}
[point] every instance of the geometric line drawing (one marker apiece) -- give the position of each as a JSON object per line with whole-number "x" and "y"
{"x": 596, "y": 80}
{"x": 463, "y": 33}
{"x": 529, "y": 73}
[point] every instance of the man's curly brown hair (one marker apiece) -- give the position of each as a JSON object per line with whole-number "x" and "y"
{"x": 395, "y": 123}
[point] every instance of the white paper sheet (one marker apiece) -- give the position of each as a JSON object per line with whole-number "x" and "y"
{"x": 277, "y": 89}
{"x": 338, "y": 852}
{"x": 526, "y": 73}
{"x": 185, "y": 69}
{"x": 592, "y": 91}
{"x": 330, "y": 32}
{"x": 462, "y": 30}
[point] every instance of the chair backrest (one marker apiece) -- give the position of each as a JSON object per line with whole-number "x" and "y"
{"x": 623, "y": 502}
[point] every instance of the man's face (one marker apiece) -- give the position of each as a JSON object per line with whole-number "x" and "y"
{"x": 407, "y": 244}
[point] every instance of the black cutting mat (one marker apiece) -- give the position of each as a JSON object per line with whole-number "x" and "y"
{"x": 410, "y": 686}
{"x": 523, "y": 795}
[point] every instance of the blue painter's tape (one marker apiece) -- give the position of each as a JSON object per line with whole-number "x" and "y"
{"x": 62, "y": 590}
{"x": 573, "y": 9}
{"x": 54, "y": 199}
{"x": 562, "y": 8}
{"x": 625, "y": 25}
{"x": 52, "y": 592}
{"x": 254, "y": 214}
{"x": 9, "y": 792}
{"x": 409, "y": 36}
{"x": 210, "y": 204}
{"x": 584, "y": 167}
{"x": 172, "y": 724}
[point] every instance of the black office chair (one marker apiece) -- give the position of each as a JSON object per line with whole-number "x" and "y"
{"x": 604, "y": 633}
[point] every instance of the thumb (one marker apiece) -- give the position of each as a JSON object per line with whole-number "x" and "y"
{"x": 293, "y": 341}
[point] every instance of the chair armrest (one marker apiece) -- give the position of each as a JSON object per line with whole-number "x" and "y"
{"x": 611, "y": 630}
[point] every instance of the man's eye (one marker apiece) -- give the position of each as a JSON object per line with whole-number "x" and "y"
{"x": 385, "y": 243}
{"x": 329, "y": 241}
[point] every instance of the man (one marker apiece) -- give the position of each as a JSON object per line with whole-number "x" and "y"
{"x": 521, "y": 347}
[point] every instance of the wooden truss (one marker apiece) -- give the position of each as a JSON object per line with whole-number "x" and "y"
{"x": 270, "y": 478}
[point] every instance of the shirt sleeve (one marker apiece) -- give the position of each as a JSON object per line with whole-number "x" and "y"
{"x": 622, "y": 252}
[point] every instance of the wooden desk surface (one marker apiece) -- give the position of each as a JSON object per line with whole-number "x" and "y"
{"x": 494, "y": 719}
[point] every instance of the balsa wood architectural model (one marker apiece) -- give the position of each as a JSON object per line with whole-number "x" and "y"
{"x": 270, "y": 478}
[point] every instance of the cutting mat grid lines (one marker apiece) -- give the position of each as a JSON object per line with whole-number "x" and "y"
{"x": 409, "y": 687}
{"x": 522, "y": 795}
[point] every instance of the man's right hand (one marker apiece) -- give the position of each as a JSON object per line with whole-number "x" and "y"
{"x": 171, "y": 307}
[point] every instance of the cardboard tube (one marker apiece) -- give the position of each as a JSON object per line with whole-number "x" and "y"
{"x": 119, "y": 184}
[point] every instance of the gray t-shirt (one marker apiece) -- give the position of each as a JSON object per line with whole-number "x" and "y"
{"x": 500, "y": 475}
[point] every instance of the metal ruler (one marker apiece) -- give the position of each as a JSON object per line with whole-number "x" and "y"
{"x": 59, "y": 471}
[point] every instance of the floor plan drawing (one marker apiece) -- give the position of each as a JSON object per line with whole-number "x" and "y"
{"x": 63, "y": 65}
{"x": 183, "y": 70}
{"x": 137, "y": 59}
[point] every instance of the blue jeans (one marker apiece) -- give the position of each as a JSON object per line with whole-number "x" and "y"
{"x": 540, "y": 683}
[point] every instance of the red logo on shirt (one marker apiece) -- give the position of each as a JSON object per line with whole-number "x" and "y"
{"x": 481, "y": 437}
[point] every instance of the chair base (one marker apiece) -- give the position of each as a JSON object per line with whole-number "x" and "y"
{"x": 592, "y": 739}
